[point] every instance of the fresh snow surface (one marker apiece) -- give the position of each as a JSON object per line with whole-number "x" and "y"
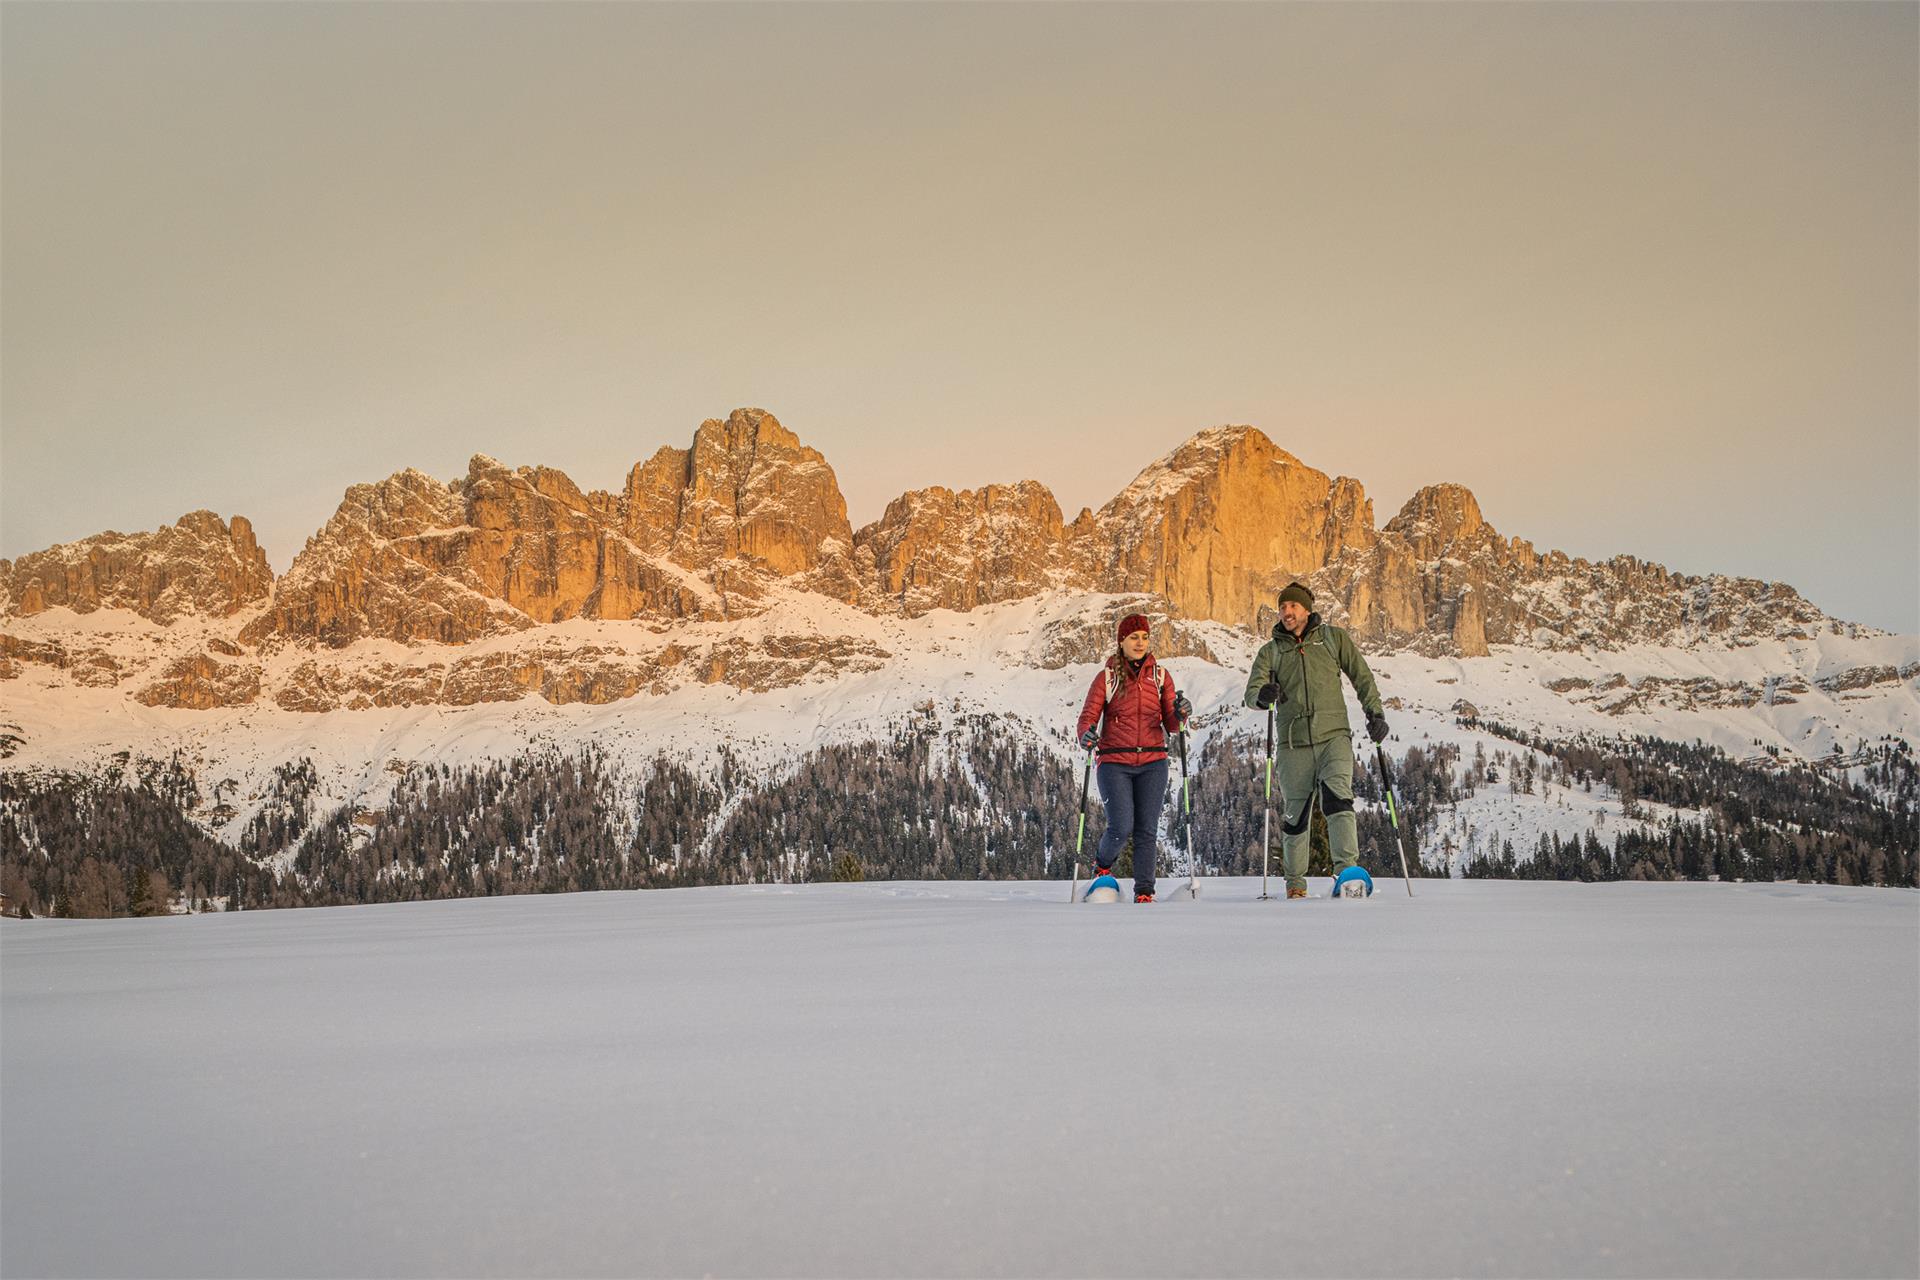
{"x": 973, "y": 1079}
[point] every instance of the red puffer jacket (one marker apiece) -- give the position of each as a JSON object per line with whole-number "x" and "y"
{"x": 1138, "y": 719}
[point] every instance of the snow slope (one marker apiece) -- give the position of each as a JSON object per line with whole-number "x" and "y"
{"x": 955, "y": 665}
{"x": 973, "y": 1079}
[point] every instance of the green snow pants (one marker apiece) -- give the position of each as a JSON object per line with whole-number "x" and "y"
{"x": 1300, "y": 773}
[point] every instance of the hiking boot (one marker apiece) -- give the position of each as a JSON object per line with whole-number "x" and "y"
{"x": 1296, "y": 893}
{"x": 1143, "y": 897}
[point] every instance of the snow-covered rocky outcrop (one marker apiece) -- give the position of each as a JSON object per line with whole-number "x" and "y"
{"x": 718, "y": 612}
{"x": 424, "y": 592}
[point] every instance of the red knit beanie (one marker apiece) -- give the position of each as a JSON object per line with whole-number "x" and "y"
{"x": 1131, "y": 623}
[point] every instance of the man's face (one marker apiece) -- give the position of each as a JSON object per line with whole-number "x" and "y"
{"x": 1293, "y": 615}
{"x": 1135, "y": 645}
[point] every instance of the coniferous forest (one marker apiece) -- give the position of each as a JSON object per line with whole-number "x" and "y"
{"x": 972, "y": 798}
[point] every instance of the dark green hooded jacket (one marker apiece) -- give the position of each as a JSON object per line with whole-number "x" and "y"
{"x": 1307, "y": 670}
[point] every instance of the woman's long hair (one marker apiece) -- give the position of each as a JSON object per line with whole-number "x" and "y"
{"x": 1124, "y": 668}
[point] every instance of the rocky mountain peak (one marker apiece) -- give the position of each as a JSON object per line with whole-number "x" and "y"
{"x": 200, "y": 565}
{"x": 747, "y": 513}
{"x": 1437, "y": 517}
{"x": 937, "y": 549}
{"x": 398, "y": 560}
{"x": 405, "y": 504}
{"x": 1442, "y": 579}
{"x": 696, "y": 533}
{"x": 1219, "y": 524}
{"x": 747, "y": 489}
{"x": 744, "y": 432}
{"x": 528, "y": 497}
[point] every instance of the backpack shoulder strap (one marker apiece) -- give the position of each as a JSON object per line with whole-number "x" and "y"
{"x": 1113, "y": 682}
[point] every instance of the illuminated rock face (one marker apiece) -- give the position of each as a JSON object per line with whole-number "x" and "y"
{"x": 937, "y": 549}
{"x": 1219, "y": 525}
{"x": 202, "y": 565}
{"x": 1440, "y": 579}
{"x": 697, "y": 533}
{"x": 710, "y": 533}
{"x": 746, "y": 490}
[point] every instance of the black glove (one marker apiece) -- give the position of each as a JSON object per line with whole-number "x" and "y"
{"x": 1090, "y": 737}
{"x": 1181, "y": 707}
{"x": 1265, "y": 698}
{"x": 1377, "y": 728}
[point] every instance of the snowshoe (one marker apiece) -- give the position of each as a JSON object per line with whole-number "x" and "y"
{"x": 1143, "y": 897}
{"x": 1296, "y": 893}
{"x": 1103, "y": 888}
{"x": 1353, "y": 882}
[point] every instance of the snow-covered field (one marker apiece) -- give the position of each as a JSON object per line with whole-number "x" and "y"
{"x": 973, "y": 1079}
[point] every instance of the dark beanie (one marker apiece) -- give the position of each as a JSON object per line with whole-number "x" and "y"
{"x": 1299, "y": 595}
{"x": 1131, "y": 623}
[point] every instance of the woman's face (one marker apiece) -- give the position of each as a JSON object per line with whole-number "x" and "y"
{"x": 1135, "y": 645}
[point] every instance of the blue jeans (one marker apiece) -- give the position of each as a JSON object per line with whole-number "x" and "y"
{"x": 1133, "y": 794}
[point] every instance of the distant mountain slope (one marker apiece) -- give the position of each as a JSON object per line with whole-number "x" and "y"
{"x": 717, "y": 625}
{"x": 423, "y": 592}
{"x": 316, "y": 796}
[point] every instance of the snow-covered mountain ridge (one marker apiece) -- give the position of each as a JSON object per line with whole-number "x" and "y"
{"x": 485, "y": 589}
{"x": 691, "y": 650}
{"x": 1021, "y": 666}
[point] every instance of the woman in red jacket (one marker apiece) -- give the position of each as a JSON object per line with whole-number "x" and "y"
{"x": 1136, "y": 697}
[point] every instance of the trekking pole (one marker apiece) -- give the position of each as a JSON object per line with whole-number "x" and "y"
{"x": 1080, "y": 835}
{"x": 1266, "y": 818}
{"x": 1186, "y": 805}
{"x": 1393, "y": 811}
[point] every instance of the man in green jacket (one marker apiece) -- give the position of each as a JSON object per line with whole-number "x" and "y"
{"x": 1298, "y": 674}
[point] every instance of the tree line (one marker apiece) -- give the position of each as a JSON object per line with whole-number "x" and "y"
{"x": 120, "y": 843}
{"x": 1753, "y": 822}
{"x": 970, "y": 798}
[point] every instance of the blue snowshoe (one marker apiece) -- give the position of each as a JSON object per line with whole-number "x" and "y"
{"x": 1104, "y": 888}
{"x": 1353, "y": 882}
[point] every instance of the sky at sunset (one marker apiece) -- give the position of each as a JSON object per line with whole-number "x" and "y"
{"x": 1645, "y": 277}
